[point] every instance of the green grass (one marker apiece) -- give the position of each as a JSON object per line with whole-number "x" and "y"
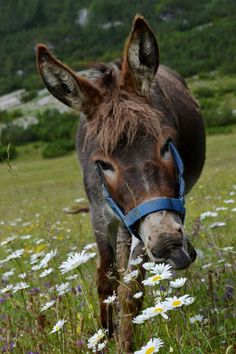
{"x": 33, "y": 194}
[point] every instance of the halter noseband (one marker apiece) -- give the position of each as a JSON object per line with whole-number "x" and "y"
{"x": 150, "y": 206}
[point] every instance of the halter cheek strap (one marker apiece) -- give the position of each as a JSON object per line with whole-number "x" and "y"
{"x": 151, "y": 206}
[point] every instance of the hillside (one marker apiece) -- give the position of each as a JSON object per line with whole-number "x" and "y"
{"x": 193, "y": 36}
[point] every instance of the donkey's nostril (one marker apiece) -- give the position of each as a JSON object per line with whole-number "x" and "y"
{"x": 178, "y": 228}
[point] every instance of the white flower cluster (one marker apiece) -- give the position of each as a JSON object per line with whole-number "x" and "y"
{"x": 152, "y": 346}
{"x": 95, "y": 342}
{"x": 158, "y": 273}
{"x": 75, "y": 260}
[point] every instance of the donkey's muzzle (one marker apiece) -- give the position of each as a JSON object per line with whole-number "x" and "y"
{"x": 175, "y": 250}
{"x": 182, "y": 257}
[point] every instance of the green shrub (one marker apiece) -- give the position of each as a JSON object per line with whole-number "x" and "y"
{"x": 54, "y": 125}
{"x": 204, "y": 92}
{"x": 17, "y": 135}
{"x": 57, "y": 148}
{"x": 206, "y": 76}
{"x": 30, "y": 95}
{"x": 230, "y": 88}
{"x": 218, "y": 117}
{"x": 7, "y": 153}
{"x": 220, "y": 130}
{"x": 6, "y": 116}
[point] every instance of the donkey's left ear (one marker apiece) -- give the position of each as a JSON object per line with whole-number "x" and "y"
{"x": 141, "y": 57}
{"x": 63, "y": 83}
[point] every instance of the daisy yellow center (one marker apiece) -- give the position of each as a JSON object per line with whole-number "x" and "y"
{"x": 150, "y": 350}
{"x": 176, "y": 303}
{"x": 156, "y": 278}
{"x": 57, "y": 328}
{"x": 158, "y": 309}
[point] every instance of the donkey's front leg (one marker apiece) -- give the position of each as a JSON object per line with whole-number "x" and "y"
{"x": 106, "y": 285}
{"x": 105, "y": 232}
{"x": 129, "y": 306}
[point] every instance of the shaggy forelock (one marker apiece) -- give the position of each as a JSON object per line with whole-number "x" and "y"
{"x": 122, "y": 114}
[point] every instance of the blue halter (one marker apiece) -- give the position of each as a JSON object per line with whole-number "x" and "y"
{"x": 150, "y": 206}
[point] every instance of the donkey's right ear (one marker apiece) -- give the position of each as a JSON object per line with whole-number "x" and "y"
{"x": 73, "y": 90}
{"x": 141, "y": 57}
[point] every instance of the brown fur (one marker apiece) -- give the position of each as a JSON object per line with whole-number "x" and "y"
{"x": 121, "y": 114}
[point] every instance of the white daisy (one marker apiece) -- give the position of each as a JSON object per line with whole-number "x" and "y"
{"x": 234, "y": 210}
{"x": 152, "y": 346}
{"x": 196, "y": 318}
{"x": 140, "y": 319}
{"x": 130, "y": 276}
{"x": 179, "y": 301}
{"x": 148, "y": 265}
{"x": 156, "y": 278}
{"x": 158, "y": 309}
{"x": 178, "y": 283}
{"x": 34, "y": 257}
{"x": 207, "y": 265}
{"x": 221, "y": 209}
{"x": 25, "y": 237}
{"x": 89, "y": 246}
{"x": 63, "y": 288}
{"x": 159, "y": 268}
{"x": 228, "y": 248}
{"x": 217, "y": 224}
{"x": 7, "y": 275}
{"x": 47, "y": 258}
{"x": 96, "y": 338}
{"x": 75, "y": 261}
{"x": 46, "y": 272}
{"x": 208, "y": 214}
{"x": 136, "y": 261}
{"x": 72, "y": 277}
{"x": 47, "y": 305}
{"x": 110, "y": 299}
{"x": 101, "y": 345}
{"x": 20, "y": 286}
{"x": 15, "y": 254}
{"x": 79, "y": 200}
{"x": 58, "y": 326}
{"x": 36, "y": 267}
{"x": 37, "y": 242}
{"x": 22, "y": 275}
{"x": 138, "y": 295}
{"x": 229, "y": 201}
{"x": 7, "y": 240}
{"x": 7, "y": 289}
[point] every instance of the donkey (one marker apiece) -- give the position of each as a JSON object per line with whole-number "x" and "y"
{"x": 138, "y": 123}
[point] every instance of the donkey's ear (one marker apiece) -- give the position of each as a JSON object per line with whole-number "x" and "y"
{"x": 141, "y": 57}
{"x": 69, "y": 88}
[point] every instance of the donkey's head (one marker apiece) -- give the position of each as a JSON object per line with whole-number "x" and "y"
{"x": 127, "y": 132}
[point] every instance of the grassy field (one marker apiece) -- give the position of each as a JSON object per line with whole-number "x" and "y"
{"x": 33, "y": 193}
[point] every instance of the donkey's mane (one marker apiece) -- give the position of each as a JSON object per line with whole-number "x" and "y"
{"x": 122, "y": 114}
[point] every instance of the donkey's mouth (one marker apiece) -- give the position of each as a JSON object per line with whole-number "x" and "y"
{"x": 179, "y": 257}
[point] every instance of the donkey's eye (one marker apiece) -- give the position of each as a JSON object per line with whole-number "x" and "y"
{"x": 165, "y": 149}
{"x": 105, "y": 166}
